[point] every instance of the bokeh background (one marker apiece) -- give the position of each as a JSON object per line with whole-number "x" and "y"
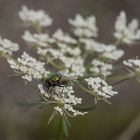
{"x": 106, "y": 122}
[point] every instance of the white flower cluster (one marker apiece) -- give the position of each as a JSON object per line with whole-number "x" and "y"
{"x": 84, "y": 27}
{"x": 64, "y": 101}
{"x": 42, "y": 40}
{"x": 112, "y": 53}
{"x": 45, "y": 52}
{"x": 8, "y": 47}
{"x": 91, "y": 45}
{"x": 100, "y": 88}
{"x": 69, "y": 55}
{"x": 126, "y": 33}
{"x": 107, "y": 51}
{"x": 29, "y": 67}
{"x": 60, "y": 36}
{"x": 133, "y": 64}
{"x": 101, "y": 68}
{"x": 74, "y": 65}
{"x": 35, "y": 17}
{"x": 69, "y": 50}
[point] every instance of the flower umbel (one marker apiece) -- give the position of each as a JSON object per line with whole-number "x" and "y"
{"x": 134, "y": 66}
{"x": 35, "y": 40}
{"x": 100, "y": 68}
{"x": 32, "y": 17}
{"x": 84, "y": 27}
{"x": 128, "y": 34}
{"x": 107, "y": 51}
{"x": 28, "y": 67}
{"x": 60, "y": 36}
{"x": 100, "y": 88}
{"x": 63, "y": 100}
{"x": 8, "y": 47}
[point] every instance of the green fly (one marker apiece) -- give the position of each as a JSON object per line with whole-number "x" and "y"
{"x": 58, "y": 79}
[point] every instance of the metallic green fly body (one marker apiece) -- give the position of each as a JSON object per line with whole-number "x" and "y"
{"x": 57, "y": 79}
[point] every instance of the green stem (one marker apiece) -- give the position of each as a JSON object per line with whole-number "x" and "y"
{"x": 38, "y": 28}
{"x": 85, "y": 108}
{"x": 124, "y": 78}
{"x": 62, "y": 129}
{"x": 120, "y": 81}
{"x": 6, "y": 56}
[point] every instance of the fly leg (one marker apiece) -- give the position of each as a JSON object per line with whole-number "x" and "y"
{"x": 62, "y": 90}
{"x": 60, "y": 94}
{"x": 52, "y": 91}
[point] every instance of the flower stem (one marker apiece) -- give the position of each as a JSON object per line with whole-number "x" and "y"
{"x": 124, "y": 78}
{"x": 62, "y": 129}
{"x": 121, "y": 81}
{"x": 85, "y": 108}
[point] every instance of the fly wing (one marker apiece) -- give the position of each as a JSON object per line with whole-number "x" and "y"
{"x": 67, "y": 77}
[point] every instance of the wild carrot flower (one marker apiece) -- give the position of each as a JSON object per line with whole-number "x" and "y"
{"x": 111, "y": 52}
{"x": 63, "y": 100}
{"x": 8, "y": 47}
{"x": 42, "y": 40}
{"x": 61, "y": 37}
{"x": 79, "y": 55}
{"x": 28, "y": 67}
{"x": 84, "y": 27}
{"x": 100, "y": 88}
{"x": 32, "y": 17}
{"x": 126, "y": 33}
{"x": 100, "y": 68}
{"x": 134, "y": 66}
{"x": 108, "y": 51}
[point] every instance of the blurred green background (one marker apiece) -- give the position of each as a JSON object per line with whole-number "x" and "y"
{"x": 106, "y": 122}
